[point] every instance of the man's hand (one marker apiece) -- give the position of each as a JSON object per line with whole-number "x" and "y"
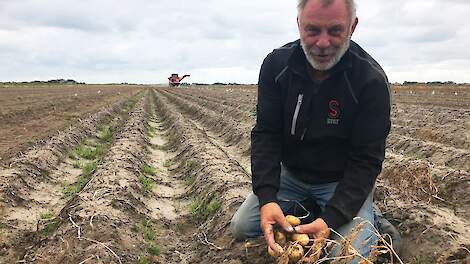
{"x": 270, "y": 215}
{"x": 317, "y": 228}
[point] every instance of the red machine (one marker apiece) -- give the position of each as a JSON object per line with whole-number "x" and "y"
{"x": 174, "y": 80}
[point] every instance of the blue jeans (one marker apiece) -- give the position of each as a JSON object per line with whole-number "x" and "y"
{"x": 245, "y": 223}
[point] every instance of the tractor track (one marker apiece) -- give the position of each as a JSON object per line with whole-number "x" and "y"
{"x": 234, "y": 133}
{"x": 97, "y": 223}
{"x": 215, "y": 176}
{"x": 33, "y": 183}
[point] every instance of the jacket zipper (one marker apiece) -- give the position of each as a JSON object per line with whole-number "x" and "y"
{"x": 296, "y": 114}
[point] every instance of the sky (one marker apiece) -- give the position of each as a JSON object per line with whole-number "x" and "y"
{"x": 144, "y": 41}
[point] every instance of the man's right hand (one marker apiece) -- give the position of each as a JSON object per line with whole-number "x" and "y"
{"x": 270, "y": 215}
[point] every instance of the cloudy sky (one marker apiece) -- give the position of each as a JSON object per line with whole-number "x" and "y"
{"x": 143, "y": 41}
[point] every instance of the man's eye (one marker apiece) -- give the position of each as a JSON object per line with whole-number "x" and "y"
{"x": 335, "y": 31}
{"x": 313, "y": 31}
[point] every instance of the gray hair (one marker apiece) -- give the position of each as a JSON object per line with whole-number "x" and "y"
{"x": 350, "y": 4}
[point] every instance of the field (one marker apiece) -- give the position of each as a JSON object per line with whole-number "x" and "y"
{"x": 140, "y": 174}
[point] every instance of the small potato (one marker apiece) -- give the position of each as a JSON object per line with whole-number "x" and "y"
{"x": 279, "y": 250}
{"x": 303, "y": 239}
{"x": 292, "y": 220}
{"x": 296, "y": 252}
{"x": 280, "y": 238}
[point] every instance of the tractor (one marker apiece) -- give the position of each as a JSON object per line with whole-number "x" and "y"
{"x": 174, "y": 80}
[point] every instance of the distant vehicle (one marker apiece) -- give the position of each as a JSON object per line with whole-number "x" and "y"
{"x": 174, "y": 80}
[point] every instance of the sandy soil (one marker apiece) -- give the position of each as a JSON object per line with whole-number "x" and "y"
{"x": 196, "y": 141}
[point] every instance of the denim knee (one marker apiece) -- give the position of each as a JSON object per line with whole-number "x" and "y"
{"x": 245, "y": 221}
{"x": 238, "y": 227}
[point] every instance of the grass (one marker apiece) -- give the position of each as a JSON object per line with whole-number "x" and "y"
{"x": 146, "y": 184}
{"x": 200, "y": 211}
{"x": 72, "y": 155}
{"x": 147, "y": 229}
{"x": 106, "y": 134}
{"x": 87, "y": 170}
{"x": 49, "y": 218}
{"x": 47, "y": 215}
{"x": 50, "y": 227}
{"x": 148, "y": 170}
{"x": 92, "y": 151}
{"x": 129, "y": 104}
{"x": 189, "y": 167}
{"x": 151, "y": 131}
{"x": 77, "y": 164}
{"x": 89, "y": 153}
{"x": 420, "y": 156}
{"x": 153, "y": 249}
{"x": 143, "y": 260}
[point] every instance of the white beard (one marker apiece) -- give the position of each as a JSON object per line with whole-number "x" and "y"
{"x": 310, "y": 51}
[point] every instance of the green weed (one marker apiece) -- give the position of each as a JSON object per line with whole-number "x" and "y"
{"x": 148, "y": 230}
{"x": 72, "y": 155}
{"x": 151, "y": 131}
{"x": 51, "y": 222}
{"x": 189, "y": 167}
{"x": 106, "y": 134}
{"x": 47, "y": 215}
{"x": 149, "y": 170}
{"x": 77, "y": 164}
{"x": 153, "y": 249}
{"x": 87, "y": 170}
{"x": 200, "y": 212}
{"x": 146, "y": 183}
{"x": 143, "y": 260}
{"x": 86, "y": 152}
{"x": 50, "y": 227}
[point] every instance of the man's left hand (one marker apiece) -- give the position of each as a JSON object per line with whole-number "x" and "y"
{"x": 317, "y": 228}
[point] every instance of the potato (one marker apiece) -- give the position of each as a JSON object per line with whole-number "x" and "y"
{"x": 280, "y": 238}
{"x": 292, "y": 220}
{"x": 279, "y": 249}
{"x": 303, "y": 239}
{"x": 295, "y": 253}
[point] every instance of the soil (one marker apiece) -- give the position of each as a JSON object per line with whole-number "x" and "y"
{"x": 196, "y": 140}
{"x": 30, "y": 113}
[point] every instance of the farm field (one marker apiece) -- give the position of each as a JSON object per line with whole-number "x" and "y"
{"x": 32, "y": 112}
{"x": 140, "y": 174}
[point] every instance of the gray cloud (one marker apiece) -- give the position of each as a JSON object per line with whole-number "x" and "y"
{"x": 144, "y": 40}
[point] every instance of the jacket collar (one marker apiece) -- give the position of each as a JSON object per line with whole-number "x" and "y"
{"x": 298, "y": 62}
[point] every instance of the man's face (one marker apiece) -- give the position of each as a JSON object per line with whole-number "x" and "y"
{"x": 325, "y": 32}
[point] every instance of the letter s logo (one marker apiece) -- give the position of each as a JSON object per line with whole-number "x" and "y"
{"x": 334, "y": 109}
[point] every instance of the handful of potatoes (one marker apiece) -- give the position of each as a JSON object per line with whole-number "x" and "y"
{"x": 291, "y": 248}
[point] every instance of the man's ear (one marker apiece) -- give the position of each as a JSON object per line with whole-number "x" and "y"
{"x": 298, "y": 22}
{"x": 353, "y": 27}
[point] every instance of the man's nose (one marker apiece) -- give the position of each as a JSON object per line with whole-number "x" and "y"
{"x": 323, "y": 41}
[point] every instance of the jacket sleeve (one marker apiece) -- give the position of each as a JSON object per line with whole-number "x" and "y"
{"x": 369, "y": 132}
{"x": 266, "y": 136}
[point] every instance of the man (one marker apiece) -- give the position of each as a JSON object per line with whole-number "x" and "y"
{"x": 323, "y": 116}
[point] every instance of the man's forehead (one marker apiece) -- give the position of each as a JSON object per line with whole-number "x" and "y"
{"x": 316, "y": 9}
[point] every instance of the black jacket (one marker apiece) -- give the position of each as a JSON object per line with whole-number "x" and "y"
{"x": 327, "y": 131}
